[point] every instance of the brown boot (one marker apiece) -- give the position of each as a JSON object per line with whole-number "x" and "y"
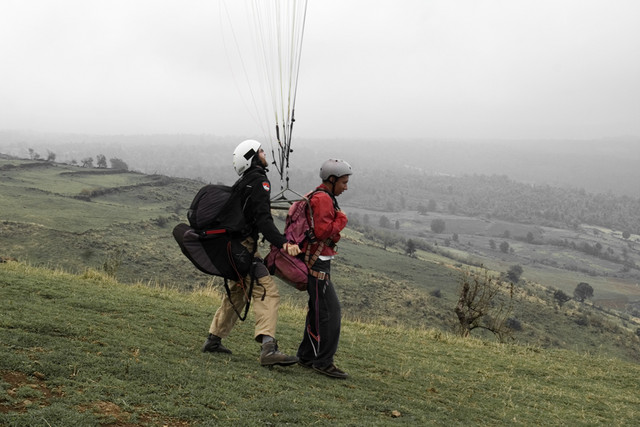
{"x": 213, "y": 344}
{"x": 271, "y": 356}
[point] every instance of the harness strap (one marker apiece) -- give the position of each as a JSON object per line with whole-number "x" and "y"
{"x": 205, "y": 233}
{"x": 320, "y": 275}
{"x": 315, "y": 337}
{"x": 252, "y": 273}
{"x": 308, "y": 258}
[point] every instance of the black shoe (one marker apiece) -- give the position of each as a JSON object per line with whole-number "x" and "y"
{"x": 331, "y": 371}
{"x": 306, "y": 363}
{"x": 213, "y": 344}
{"x": 270, "y": 355}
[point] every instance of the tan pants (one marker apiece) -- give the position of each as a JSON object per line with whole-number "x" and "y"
{"x": 265, "y": 302}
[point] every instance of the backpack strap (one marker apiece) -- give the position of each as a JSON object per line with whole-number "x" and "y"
{"x": 309, "y": 259}
{"x": 238, "y": 189}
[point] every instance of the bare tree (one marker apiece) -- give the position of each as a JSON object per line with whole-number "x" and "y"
{"x": 484, "y": 302}
{"x": 87, "y": 162}
{"x": 33, "y": 155}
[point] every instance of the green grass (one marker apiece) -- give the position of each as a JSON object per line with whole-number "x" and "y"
{"x": 47, "y": 195}
{"x": 87, "y": 350}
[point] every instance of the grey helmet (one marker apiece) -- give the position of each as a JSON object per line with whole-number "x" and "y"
{"x": 242, "y": 155}
{"x": 334, "y": 167}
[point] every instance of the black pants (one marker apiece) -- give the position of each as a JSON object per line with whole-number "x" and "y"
{"x": 322, "y": 326}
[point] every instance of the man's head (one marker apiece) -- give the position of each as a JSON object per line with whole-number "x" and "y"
{"x": 246, "y": 154}
{"x": 335, "y": 175}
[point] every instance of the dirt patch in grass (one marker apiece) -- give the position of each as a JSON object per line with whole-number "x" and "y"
{"x": 25, "y": 391}
{"x": 121, "y": 418}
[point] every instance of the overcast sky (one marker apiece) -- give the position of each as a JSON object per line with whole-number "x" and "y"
{"x": 370, "y": 68}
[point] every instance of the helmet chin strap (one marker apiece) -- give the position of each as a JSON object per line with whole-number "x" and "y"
{"x": 332, "y": 182}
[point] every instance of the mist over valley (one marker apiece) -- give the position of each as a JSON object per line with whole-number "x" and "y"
{"x": 606, "y": 165}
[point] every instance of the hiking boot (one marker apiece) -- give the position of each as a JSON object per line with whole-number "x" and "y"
{"x": 271, "y": 356}
{"x": 331, "y": 371}
{"x": 214, "y": 345}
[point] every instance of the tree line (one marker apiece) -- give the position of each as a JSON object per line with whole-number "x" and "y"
{"x": 498, "y": 197}
{"x": 86, "y": 162}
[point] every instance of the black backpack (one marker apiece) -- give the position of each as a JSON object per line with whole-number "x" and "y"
{"x": 207, "y": 205}
{"x": 214, "y": 207}
{"x": 212, "y": 240}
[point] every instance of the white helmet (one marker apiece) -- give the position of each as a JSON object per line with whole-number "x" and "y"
{"x": 334, "y": 167}
{"x": 243, "y": 154}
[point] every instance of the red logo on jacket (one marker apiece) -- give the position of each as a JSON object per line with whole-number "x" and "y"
{"x": 266, "y": 186}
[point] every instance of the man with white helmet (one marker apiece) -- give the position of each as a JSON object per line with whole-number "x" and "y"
{"x": 250, "y": 163}
{"x": 322, "y": 325}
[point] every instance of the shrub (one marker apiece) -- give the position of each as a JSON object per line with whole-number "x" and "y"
{"x": 583, "y": 291}
{"x": 514, "y": 324}
{"x": 112, "y": 263}
{"x": 560, "y": 297}
{"x": 514, "y": 273}
{"x": 438, "y": 225}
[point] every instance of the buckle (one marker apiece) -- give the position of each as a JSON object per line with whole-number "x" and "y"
{"x": 320, "y": 275}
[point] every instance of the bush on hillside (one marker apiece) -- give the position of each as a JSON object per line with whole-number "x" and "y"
{"x": 583, "y": 291}
{"x": 438, "y": 225}
{"x": 484, "y": 302}
{"x": 514, "y": 273}
{"x": 560, "y": 297}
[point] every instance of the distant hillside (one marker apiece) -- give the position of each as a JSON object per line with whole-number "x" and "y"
{"x": 120, "y": 222}
{"x": 606, "y": 165}
{"x": 88, "y": 350}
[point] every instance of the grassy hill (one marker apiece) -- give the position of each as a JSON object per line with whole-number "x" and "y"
{"x": 119, "y": 223}
{"x": 87, "y": 350}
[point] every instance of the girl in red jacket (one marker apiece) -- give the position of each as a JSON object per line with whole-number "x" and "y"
{"x": 322, "y": 326}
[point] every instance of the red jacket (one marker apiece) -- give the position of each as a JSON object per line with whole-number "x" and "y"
{"x": 328, "y": 221}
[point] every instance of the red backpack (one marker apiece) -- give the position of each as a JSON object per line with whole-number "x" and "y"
{"x": 297, "y": 230}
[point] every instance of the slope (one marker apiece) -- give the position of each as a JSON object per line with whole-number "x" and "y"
{"x": 88, "y": 350}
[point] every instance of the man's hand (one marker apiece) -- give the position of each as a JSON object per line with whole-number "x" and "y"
{"x": 291, "y": 249}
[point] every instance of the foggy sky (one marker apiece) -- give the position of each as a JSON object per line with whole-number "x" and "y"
{"x": 370, "y": 68}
